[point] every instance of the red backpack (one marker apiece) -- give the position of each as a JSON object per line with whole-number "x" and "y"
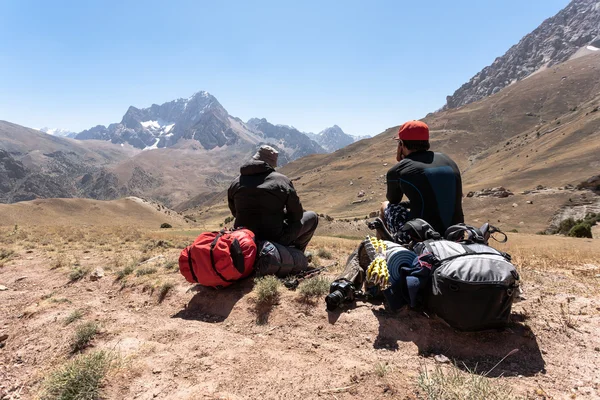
{"x": 218, "y": 259}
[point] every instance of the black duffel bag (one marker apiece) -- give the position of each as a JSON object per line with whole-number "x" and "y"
{"x": 279, "y": 260}
{"x": 473, "y": 286}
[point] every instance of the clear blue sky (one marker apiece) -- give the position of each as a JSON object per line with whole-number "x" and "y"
{"x": 364, "y": 65}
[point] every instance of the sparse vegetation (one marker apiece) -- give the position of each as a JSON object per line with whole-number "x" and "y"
{"x": 84, "y": 335}
{"x": 74, "y": 316}
{"x": 78, "y": 273}
{"x": 122, "y": 273}
{"x": 80, "y": 378}
{"x": 6, "y": 254}
{"x": 145, "y": 271}
{"x": 454, "y": 384}
{"x": 171, "y": 265}
{"x": 165, "y": 225}
{"x": 382, "y": 369}
{"x": 164, "y": 290}
{"x": 324, "y": 253}
{"x": 61, "y": 261}
{"x": 267, "y": 289}
{"x": 314, "y": 287}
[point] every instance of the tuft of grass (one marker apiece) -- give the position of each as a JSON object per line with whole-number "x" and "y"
{"x": 164, "y": 291}
{"x": 61, "y": 261}
{"x": 78, "y": 273}
{"x": 171, "y": 265}
{"x": 145, "y": 271}
{"x": 6, "y": 254}
{"x": 324, "y": 253}
{"x": 382, "y": 369}
{"x": 74, "y": 316}
{"x": 267, "y": 289}
{"x": 84, "y": 335}
{"x": 454, "y": 384}
{"x": 59, "y": 300}
{"x": 122, "y": 273}
{"x": 80, "y": 378}
{"x": 314, "y": 287}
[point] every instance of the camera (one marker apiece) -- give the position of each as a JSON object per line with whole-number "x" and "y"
{"x": 340, "y": 291}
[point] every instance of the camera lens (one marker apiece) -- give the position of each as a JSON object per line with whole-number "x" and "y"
{"x": 334, "y": 299}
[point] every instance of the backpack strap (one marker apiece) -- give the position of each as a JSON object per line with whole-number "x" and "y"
{"x": 212, "y": 256}
{"x": 189, "y": 254}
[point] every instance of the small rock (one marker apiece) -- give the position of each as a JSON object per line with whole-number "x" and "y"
{"x": 20, "y": 279}
{"x": 97, "y": 274}
{"x": 3, "y": 337}
{"x": 3, "y": 288}
{"x": 442, "y": 359}
{"x": 156, "y": 371}
{"x": 385, "y": 164}
{"x": 515, "y": 205}
{"x": 529, "y": 202}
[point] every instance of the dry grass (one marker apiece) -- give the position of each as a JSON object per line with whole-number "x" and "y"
{"x": 164, "y": 290}
{"x": 84, "y": 335}
{"x": 78, "y": 273}
{"x": 145, "y": 271}
{"x": 74, "y": 316}
{"x": 80, "y": 378}
{"x": 454, "y": 384}
{"x": 267, "y": 290}
{"x": 313, "y": 288}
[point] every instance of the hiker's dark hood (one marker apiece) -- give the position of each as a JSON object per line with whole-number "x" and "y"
{"x": 256, "y": 167}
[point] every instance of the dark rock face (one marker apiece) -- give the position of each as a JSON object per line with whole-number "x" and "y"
{"x": 554, "y": 41}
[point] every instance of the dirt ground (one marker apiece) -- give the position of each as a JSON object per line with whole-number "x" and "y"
{"x": 219, "y": 345}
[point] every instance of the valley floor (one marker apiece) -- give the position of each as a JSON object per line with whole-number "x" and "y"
{"x": 221, "y": 345}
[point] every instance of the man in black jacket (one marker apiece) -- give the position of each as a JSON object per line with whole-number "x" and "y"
{"x": 431, "y": 181}
{"x": 266, "y": 202}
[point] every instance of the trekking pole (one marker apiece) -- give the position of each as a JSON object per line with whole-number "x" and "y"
{"x": 292, "y": 283}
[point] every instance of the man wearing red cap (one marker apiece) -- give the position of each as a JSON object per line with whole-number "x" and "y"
{"x": 431, "y": 182}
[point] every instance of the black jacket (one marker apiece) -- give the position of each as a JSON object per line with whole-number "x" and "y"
{"x": 265, "y": 202}
{"x": 433, "y": 185}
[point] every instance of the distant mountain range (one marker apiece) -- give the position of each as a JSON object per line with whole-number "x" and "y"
{"x": 573, "y": 32}
{"x": 58, "y": 132}
{"x": 203, "y": 119}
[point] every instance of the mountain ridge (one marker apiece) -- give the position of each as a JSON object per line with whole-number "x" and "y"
{"x": 568, "y": 34}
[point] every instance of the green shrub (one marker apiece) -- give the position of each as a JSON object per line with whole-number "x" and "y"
{"x": 565, "y": 226}
{"x": 165, "y": 225}
{"x": 79, "y": 379}
{"x": 581, "y": 230}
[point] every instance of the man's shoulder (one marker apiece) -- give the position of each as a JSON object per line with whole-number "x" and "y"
{"x": 278, "y": 178}
{"x": 444, "y": 157}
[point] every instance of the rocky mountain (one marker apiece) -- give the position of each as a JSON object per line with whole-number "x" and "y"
{"x": 334, "y": 138}
{"x": 37, "y": 165}
{"x": 294, "y": 143}
{"x": 201, "y": 118}
{"x": 573, "y": 32}
{"x": 58, "y": 132}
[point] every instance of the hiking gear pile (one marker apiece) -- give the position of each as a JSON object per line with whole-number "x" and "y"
{"x": 466, "y": 282}
{"x": 217, "y": 259}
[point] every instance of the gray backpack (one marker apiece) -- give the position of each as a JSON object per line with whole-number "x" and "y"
{"x": 279, "y": 260}
{"x": 472, "y": 285}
